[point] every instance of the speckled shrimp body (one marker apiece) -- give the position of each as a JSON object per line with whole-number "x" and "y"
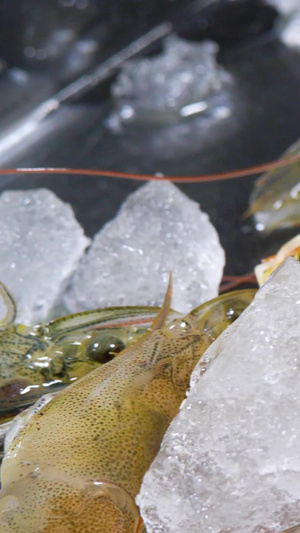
{"x": 43, "y": 359}
{"x": 77, "y": 463}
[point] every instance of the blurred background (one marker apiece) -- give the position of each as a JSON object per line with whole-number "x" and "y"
{"x": 69, "y": 98}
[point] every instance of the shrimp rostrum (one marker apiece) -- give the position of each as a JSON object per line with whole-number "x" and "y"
{"x": 76, "y": 464}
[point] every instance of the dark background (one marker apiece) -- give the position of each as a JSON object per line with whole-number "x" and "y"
{"x": 55, "y": 42}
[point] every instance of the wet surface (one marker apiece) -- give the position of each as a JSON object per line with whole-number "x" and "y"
{"x": 264, "y": 100}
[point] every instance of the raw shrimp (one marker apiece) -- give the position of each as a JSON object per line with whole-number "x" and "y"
{"x": 275, "y": 201}
{"x": 269, "y": 264}
{"x": 77, "y": 463}
{"x": 47, "y": 357}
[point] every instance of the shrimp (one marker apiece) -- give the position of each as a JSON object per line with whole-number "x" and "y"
{"x": 47, "y": 357}
{"x": 76, "y": 463}
{"x": 269, "y": 264}
{"x": 275, "y": 199}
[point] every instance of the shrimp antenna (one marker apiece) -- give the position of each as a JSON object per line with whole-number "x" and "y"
{"x": 10, "y": 304}
{"x": 162, "y": 315}
{"x": 258, "y": 169}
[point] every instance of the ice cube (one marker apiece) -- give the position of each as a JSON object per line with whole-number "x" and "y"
{"x": 289, "y": 22}
{"x": 158, "y": 230}
{"x": 179, "y": 82}
{"x": 230, "y": 461}
{"x": 285, "y": 7}
{"x": 40, "y": 246}
{"x": 290, "y": 34}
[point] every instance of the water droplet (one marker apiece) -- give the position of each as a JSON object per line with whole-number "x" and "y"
{"x": 295, "y": 192}
{"x": 29, "y": 51}
{"x": 41, "y": 54}
{"x": 222, "y": 112}
{"x": 277, "y": 204}
{"x": 260, "y": 227}
{"x": 19, "y": 76}
{"x": 126, "y": 112}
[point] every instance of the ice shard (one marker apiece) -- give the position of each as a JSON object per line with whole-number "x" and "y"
{"x": 158, "y": 230}
{"x": 289, "y": 22}
{"x": 184, "y": 80}
{"x": 40, "y": 246}
{"x": 230, "y": 461}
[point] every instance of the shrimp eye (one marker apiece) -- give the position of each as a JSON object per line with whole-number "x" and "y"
{"x": 103, "y": 348}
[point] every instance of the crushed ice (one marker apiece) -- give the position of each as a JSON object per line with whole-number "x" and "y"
{"x": 158, "y": 230}
{"x": 184, "y": 80}
{"x": 41, "y": 243}
{"x": 289, "y": 22}
{"x": 230, "y": 459}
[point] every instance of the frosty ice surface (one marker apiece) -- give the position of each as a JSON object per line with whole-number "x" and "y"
{"x": 289, "y": 22}
{"x": 285, "y": 7}
{"x": 40, "y": 246}
{"x": 157, "y": 230}
{"x": 176, "y": 83}
{"x": 230, "y": 460}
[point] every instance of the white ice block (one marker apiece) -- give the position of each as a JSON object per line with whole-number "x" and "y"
{"x": 230, "y": 461}
{"x": 41, "y": 243}
{"x": 158, "y": 230}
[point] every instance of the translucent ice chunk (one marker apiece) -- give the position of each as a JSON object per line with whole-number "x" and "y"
{"x": 285, "y": 7}
{"x": 40, "y": 246}
{"x": 158, "y": 230}
{"x": 230, "y": 460}
{"x": 289, "y": 23}
{"x": 177, "y": 83}
{"x": 290, "y": 34}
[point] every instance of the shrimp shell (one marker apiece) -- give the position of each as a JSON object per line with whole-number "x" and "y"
{"x": 46, "y": 358}
{"x": 275, "y": 199}
{"x": 77, "y": 464}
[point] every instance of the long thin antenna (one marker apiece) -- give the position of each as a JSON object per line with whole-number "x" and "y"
{"x": 148, "y": 177}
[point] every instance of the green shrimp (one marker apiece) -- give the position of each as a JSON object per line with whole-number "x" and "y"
{"x": 76, "y": 463}
{"x": 275, "y": 201}
{"x": 43, "y": 359}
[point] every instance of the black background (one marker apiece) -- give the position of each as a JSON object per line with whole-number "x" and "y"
{"x": 264, "y": 121}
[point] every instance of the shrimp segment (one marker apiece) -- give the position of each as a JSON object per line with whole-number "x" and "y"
{"x": 78, "y": 462}
{"x": 269, "y": 264}
{"x": 45, "y": 358}
{"x": 275, "y": 199}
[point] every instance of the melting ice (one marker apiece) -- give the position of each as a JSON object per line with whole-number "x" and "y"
{"x": 289, "y": 23}
{"x": 183, "y": 80}
{"x": 285, "y": 7}
{"x": 41, "y": 243}
{"x": 230, "y": 461}
{"x": 157, "y": 230}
